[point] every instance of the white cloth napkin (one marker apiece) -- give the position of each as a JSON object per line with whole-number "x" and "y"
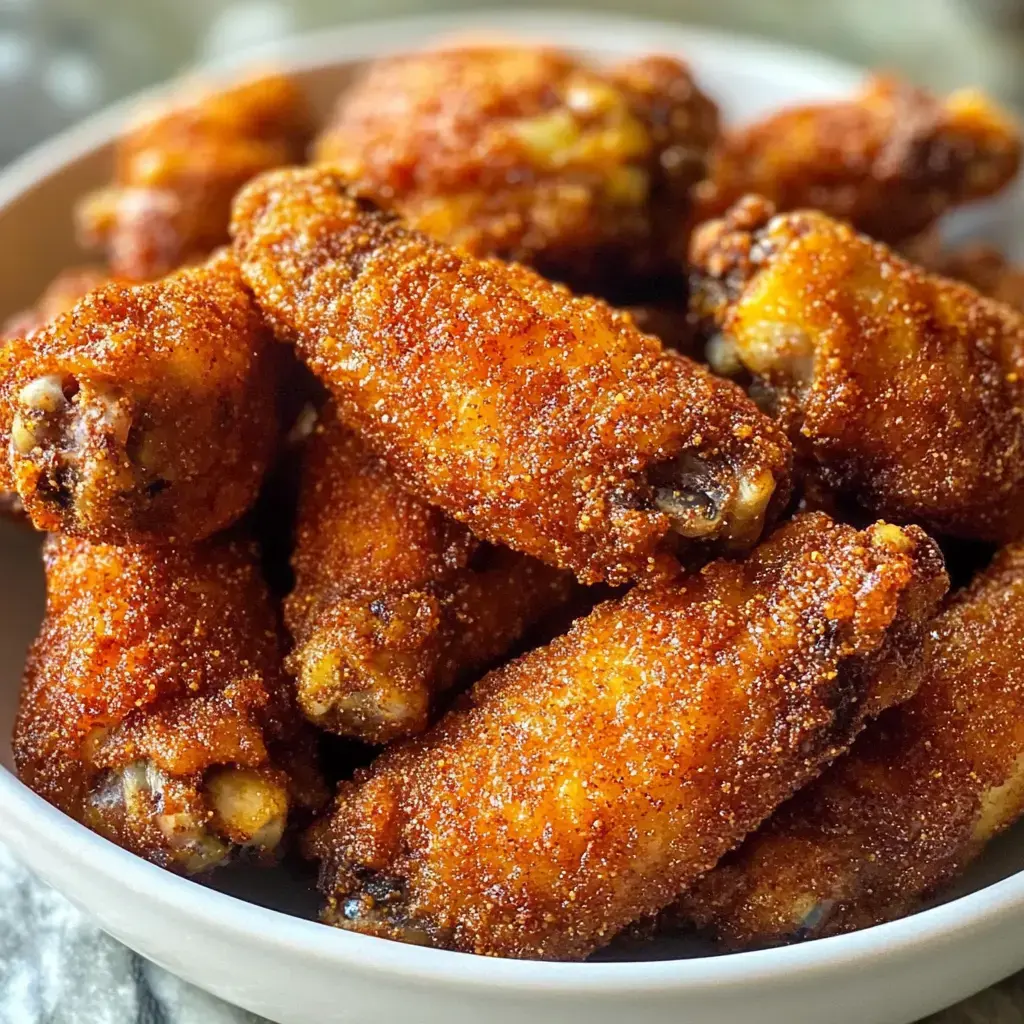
{"x": 57, "y": 967}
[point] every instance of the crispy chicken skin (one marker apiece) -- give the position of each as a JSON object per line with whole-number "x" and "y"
{"x": 394, "y": 602}
{"x": 178, "y": 168}
{"x": 529, "y": 154}
{"x": 541, "y": 420}
{"x": 590, "y": 781}
{"x": 920, "y": 794}
{"x": 143, "y": 413}
{"x": 155, "y": 709}
{"x": 903, "y": 390}
{"x": 891, "y": 160}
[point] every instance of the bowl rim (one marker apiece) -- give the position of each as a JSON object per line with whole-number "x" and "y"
{"x": 241, "y": 921}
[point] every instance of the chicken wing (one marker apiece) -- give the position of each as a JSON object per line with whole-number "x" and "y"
{"x": 590, "y": 781}
{"x": 903, "y": 390}
{"x": 144, "y": 412}
{"x": 178, "y": 168}
{"x": 891, "y": 160}
{"x": 530, "y": 154}
{"x": 58, "y": 297}
{"x": 541, "y": 420}
{"x": 155, "y": 709}
{"x": 920, "y": 794}
{"x": 394, "y": 602}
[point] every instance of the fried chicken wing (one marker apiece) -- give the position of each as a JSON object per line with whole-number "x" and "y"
{"x": 541, "y": 420}
{"x": 178, "y": 168}
{"x": 529, "y": 154}
{"x": 58, "y": 297}
{"x": 903, "y": 390}
{"x": 394, "y": 602}
{"x": 891, "y": 160}
{"x": 590, "y": 781}
{"x": 918, "y": 797}
{"x": 144, "y": 412}
{"x": 155, "y": 709}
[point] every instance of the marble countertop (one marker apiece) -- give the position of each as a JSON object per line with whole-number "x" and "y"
{"x": 61, "y": 58}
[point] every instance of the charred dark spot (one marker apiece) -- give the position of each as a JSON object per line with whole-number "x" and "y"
{"x": 380, "y": 610}
{"x": 385, "y": 889}
{"x": 58, "y": 486}
{"x": 157, "y": 487}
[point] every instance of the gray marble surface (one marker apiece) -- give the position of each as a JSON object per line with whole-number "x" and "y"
{"x": 61, "y": 58}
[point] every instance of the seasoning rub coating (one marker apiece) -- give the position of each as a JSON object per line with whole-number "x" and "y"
{"x": 58, "y": 297}
{"x": 178, "y": 168}
{"x": 530, "y": 154}
{"x": 143, "y": 413}
{"x": 921, "y": 793}
{"x": 589, "y": 782}
{"x": 891, "y": 160}
{"x": 394, "y": 602}
{"x": 155, "y": 709}
{"x": 903, "y": 390}
{"x": 541, "y": 420}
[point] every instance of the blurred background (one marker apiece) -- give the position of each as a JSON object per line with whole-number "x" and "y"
{"x": 60, "y": 59}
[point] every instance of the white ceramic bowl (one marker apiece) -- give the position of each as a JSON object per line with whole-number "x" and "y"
{"x": 295, "y": 971}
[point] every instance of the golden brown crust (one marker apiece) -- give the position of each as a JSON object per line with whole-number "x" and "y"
{"x": 541, "y": 420}
{"x": 588, "y": 782}
{"x": 178, "y": 168}
{"x": 528, "y": 154}
{"x": 145, "y": 412}
{"x": 393, "y": 601}
{"x": 904, "y": 390}
{"x": 922, "y": 791}
{"x": 891, "y": 160}
{"x": 156, "y": 682}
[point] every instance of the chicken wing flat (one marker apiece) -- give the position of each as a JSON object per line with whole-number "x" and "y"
{"x": 529, "y": 154}
{"x": 541, "y": 420}
{"x": 394, "y": 602}
{"x": 144, "y": 412}
{"x": 155, "y": 709}
{"x": 904, "y": 390}
{"x": 918, "y": 797}
{"x": 178, "y": 168}
{"x": 590, "y": 781}
{"x": 891, "y": 160}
